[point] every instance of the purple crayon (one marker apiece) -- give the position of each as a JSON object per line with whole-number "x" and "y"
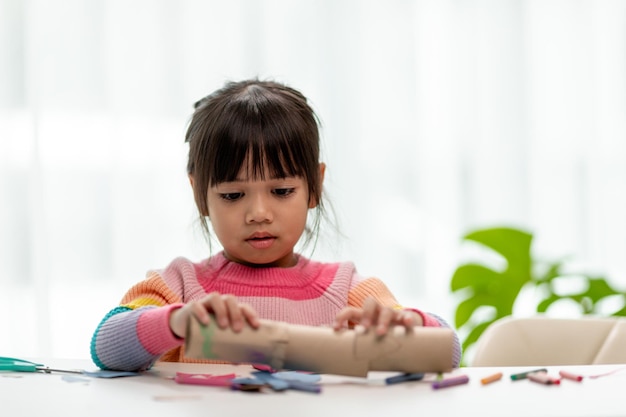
{"x": 450, "y": 382}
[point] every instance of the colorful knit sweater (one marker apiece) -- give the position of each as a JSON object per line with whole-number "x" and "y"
{"x": 136, "y": 334}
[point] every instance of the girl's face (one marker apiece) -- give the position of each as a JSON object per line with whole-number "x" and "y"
{"x": 259, "y": 221}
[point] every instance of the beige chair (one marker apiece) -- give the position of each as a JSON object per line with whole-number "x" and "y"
{"x": 547, "y": 341}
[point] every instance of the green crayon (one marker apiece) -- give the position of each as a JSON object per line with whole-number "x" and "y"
{"x": 524, "y": 375}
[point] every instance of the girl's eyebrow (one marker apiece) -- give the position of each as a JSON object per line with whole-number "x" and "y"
{"x": 271, "y": 178}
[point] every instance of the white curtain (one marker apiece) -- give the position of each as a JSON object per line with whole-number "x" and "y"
{"x": 438, "y": 116}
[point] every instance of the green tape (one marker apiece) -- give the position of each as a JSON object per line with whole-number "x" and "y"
{"x": 208, "y": 332}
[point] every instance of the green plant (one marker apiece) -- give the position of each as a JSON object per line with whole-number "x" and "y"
{"x": 481, "y": 287}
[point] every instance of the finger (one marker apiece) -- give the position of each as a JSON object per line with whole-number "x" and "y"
{"x": 233, "y": 310}
{"x": 345, "y": 316}
{"x": 250, "y": 316}
{"x": 385, "y": 317}
{"x": 412, "y": 318}
{"x": 198, "y": 310}
{"x": 340, "y": 320}
{"x": 407, "y": 319}
{"x": 215, "y": 304}
{"x": 370, "y": 312}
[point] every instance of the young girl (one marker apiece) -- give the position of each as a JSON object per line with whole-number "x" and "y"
{"x": 255, "y": 172}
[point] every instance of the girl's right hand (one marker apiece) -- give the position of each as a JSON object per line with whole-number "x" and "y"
{"x": 226, "y": 311}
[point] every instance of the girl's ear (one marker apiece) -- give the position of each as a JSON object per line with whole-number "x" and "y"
{"x": 191, "y": 180}
{"x": 313, "y": 200}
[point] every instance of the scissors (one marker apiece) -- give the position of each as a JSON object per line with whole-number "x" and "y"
{"x": 21, "y": 365}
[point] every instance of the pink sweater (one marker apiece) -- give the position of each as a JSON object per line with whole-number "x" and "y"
{"x": 135, "y": 334}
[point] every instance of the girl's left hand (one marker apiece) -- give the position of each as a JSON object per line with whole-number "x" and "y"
{"x": 373, "y": 314}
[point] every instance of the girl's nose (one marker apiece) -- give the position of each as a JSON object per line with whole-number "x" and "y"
{"x": 259, "y": 211}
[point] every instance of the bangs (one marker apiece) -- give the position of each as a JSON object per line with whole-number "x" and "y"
{"x": 258, "y": 143}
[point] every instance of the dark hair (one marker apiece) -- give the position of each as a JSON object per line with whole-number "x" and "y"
{"x": 256, "y": 125}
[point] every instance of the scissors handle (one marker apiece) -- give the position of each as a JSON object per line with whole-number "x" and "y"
{"x": 18, "y": 367}
{"x": 21, "y": 365}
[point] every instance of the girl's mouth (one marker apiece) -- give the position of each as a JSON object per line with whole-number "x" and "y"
{"x": 263, "y": 242}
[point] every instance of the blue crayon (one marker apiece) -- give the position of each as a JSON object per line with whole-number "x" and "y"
{"x": 404, "y": 378}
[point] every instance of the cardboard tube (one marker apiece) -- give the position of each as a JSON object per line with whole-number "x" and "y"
{"x": 322, "y": 350}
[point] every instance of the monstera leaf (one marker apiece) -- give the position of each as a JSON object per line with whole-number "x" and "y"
{"x": 589, "y": 300}
{"x": 480, "y": 286}
{"x": 497, "y": 289}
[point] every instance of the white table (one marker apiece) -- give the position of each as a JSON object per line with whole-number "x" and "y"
{"x": 155, "y": 394}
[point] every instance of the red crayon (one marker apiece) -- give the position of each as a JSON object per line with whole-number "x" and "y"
{"x": 569, "y": 375}
{"x": 543, "y": 378}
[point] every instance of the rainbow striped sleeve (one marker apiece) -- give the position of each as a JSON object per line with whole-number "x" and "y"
{"x": 374, "y": 287}
{"x": 135, "y": 334}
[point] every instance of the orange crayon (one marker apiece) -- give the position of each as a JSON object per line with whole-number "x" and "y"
{"x": 491, "y": 378}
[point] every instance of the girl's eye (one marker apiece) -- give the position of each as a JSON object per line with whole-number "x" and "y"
{"x": 231, "y": 196}
{"x": 283, "y": 192}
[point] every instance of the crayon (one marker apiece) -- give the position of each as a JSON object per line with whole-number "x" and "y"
{"x": 404, "y": 378}
{"x": 524, "y": 375}
{"x": 569, "y": 375}
{"x": 491, "y": 378}
{"x": 543, "y": 378}
{"x": 450, "y": 382}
